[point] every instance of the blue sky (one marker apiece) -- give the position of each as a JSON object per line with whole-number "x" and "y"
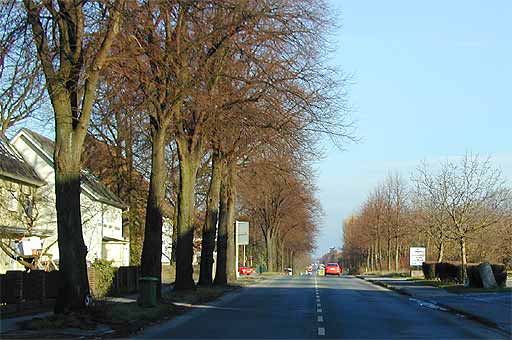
{"x": 430, "y": 80}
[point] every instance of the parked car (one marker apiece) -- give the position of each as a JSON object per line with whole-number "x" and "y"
{"x": 333, "y": 269}
{"x": 245, "y": 270}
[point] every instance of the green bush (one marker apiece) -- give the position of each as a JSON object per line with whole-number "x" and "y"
{"x": 429, "y": 270}
{"x": 104, "y": 274}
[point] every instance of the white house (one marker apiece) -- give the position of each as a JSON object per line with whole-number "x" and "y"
{"x": 101, "y": 209}
{"x": 18, "y": 185}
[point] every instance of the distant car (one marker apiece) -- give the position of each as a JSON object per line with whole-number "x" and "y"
{"x": 333, "y": 269}
{"x": 245, "y": 270}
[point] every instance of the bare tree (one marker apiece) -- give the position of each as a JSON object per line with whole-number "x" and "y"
{"x": 469, "y": 195}
{"x": 21, "y": 81}
{"x": 73, "y": 41}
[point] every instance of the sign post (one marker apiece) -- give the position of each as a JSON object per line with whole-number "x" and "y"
{"x": 241, "y": 239}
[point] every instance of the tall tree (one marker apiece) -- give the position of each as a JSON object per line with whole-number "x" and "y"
{"x": 72, "y": 50}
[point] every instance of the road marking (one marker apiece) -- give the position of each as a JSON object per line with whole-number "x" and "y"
{"x": 319, "y": 310}
{"x": 319, "y": 305}
{"x": 321, "y": 331}
{"x": 320, "y": 318}
{"x": 317, "y": 299}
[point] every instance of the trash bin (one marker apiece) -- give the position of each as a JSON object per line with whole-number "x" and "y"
{"x": 147, "y": 293}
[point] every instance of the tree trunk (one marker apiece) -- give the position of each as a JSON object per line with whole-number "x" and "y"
{"x": 371, "y": 258}
{"x": 186, "y": 206}
{"x": 440, "y": 249}
{"x": 225, "y": 269}
{"x": 375, "y": 259}
{"x": 464, "y": 274}
{"x": 73, "y": 282}
{"x": 389, "y": 253}
{"x": 151, "y": 259}
{"x": 231, "y": 250}
{"x": 270, "y": 250}
{"x": 397, "y": 254}
{"x": 221, "y": 277}
{"x": 378, "y": 250}
{"x": 210, "y": 225}
{"x": 283, "y": 263}
{"x": 368, "y": 259}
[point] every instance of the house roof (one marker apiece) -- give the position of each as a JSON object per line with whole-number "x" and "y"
{"x": 17, "y": 231}
{"x": 88, "y": 181}
{"x": 13, "y": 167}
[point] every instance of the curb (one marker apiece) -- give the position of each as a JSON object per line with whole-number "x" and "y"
{"x": 468, "y": 315}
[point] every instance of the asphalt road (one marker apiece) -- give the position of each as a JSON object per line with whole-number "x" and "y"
{"x": 319, "y": 307}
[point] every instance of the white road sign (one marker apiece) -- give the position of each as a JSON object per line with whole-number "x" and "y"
{"x": 242, "y": 233}
{"x": 417, "y": 256}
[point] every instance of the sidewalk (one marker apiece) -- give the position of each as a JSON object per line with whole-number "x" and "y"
{"x": 494, "y": 309}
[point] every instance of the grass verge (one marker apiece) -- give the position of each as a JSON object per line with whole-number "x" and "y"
{"x": 273, "y": 273}
{"x": 460, "y": 289}
{"x": 127, "y": 318}
{"x": 389, "y": 274}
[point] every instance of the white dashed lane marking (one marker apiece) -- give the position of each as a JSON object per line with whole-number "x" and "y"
{"x": 320, "y": 318}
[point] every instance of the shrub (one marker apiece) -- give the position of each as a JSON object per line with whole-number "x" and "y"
{"x": 355, "y": 270}
{"x": 104, "y": 274}
{"x": 475, "y": 280}
{"x": 500, "y": 274}
{"x": 448, "y": 272}
{"x": 429, "y": 270}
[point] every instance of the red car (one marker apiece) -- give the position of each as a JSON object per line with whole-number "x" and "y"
{"x": 245, "y": 270}
{"x": 333, "y": 269}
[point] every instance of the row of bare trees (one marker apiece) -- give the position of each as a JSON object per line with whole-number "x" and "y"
{"x": 459, "y": 209}
{"x": 277, "y": 196}
{"x": 218, "y": 104}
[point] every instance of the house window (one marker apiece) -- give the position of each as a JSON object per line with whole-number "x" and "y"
{"x": 28, "y": 205}
{"x": 12, "y": 201}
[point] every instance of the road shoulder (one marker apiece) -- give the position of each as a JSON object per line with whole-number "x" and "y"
{"x": 496, "y": 314}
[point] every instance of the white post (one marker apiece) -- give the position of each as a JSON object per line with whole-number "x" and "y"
{"x": 243, "y": 248}
{"x": 236, "y": 249}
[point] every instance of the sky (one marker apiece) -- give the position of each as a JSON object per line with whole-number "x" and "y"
{"x": 430, "y": 80}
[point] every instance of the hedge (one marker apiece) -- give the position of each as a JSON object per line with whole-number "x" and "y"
{"x": 429, "y": 270}
{"x": 103, "y": 274}
{"x": 448, "y": 272}
{"x": 451, "y": 272}
{"x": 500, "y": 274}
{"x": 474, "y": 277}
